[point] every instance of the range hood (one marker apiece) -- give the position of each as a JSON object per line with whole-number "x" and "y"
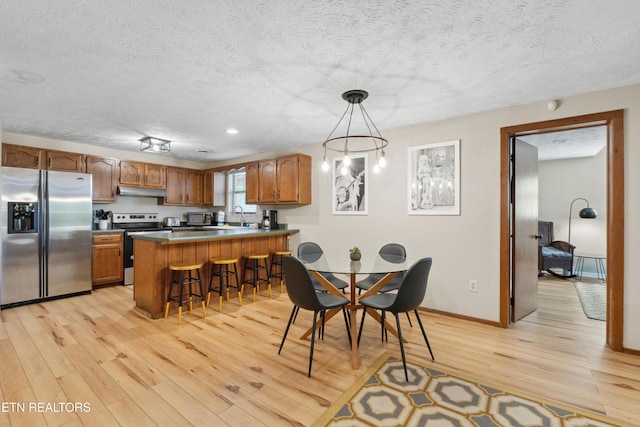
{"x": 126, "y": 190}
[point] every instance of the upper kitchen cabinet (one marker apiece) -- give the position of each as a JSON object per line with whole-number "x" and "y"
{"x": 193, "y": 181}
{"x": 21, "y": 157}
{"x": 105, "y": 178}
{"x": 184, "y": 187}
{"x": 214, "y": 187}
{"x": 64, "y": 161}
{"x": 31, "y": 158}
{"x": 286, "y": 180}
{"x": 252, "y": 171}
{"x": 142, "y": 174}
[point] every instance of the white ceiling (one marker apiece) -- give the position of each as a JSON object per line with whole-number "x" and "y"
{"x": 568, "y": 144}
{"x": 111, "y": 72}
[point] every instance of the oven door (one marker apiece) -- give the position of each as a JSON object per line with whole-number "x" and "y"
{"x": 128, "y": 252}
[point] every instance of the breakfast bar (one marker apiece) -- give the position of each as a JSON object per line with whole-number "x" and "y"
{"x": 154, "y": 252}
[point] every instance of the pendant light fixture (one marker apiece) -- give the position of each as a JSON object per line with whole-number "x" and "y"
{"x": 349, "y": 144}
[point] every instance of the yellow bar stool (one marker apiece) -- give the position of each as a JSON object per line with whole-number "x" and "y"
{"x": 254, "y": 266}
{"x": 179, "y": 280}
{"x": 222, "y": 268}
{"x": 276, "y": 261}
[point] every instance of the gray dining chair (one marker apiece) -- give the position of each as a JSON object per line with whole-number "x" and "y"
{"x": 391, "y": 252}
{"x": 303, "y": 296}
{"x": 410, "y": 295}
{"x": 311, "y": 252}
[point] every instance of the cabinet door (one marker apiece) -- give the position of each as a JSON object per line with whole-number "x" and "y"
{"x": 207, "y": 187}
{"x": 193, "y": 178}
{"x": 64, "y": 161}
{"x": 252, "y": 172}
{"x": 154, "y": 175}
{"x": 21, "y": 157}
{"x": 107, "y": 259}
{"x": 267, "y": 183}
{"x": 131, "y": 172}
{"x": 104, "y": 171}
{"x": 175, "y": 186}
{"x": 220, "y": 188}
{"x": 294, "y": 179}
{"x": 287, "y": 174}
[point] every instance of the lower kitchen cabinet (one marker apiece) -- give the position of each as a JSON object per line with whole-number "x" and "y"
{"x": 107, "y": 258}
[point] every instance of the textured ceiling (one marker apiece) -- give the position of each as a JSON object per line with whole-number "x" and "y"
{"x": 111, "y": 72}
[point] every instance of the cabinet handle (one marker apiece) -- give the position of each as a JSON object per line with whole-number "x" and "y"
{"x": 49, "y": 162}
{"x": 107, "y": 238}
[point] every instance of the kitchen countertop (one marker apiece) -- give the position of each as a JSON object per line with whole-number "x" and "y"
{"x": 204, "y": 235}
{"x": 96, "y": 230}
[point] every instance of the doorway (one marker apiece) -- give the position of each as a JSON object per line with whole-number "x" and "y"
{"x": 614, "y": 122}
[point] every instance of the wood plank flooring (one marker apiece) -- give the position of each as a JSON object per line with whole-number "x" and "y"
{"x": 120, "y": 368}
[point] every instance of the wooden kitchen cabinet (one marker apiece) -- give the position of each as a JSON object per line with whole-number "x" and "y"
{"x": 213, "y": 187}
{"x": 64, "y": 161}
{"x": 184, "y": 187}
{"x": 193, "y": 190}
{"x": 107, "y": 258}
{"x": 252, "y": 170}
{"x": 21, "y": 157}
{"x": 175, "y": 186}
{"x": 105, "y": 173}
{"x": 32, "y": 158}
{"x": 286, "y": 180}
{"x": 139, "y": 174}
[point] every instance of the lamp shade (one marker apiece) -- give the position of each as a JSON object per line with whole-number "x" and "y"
{"x": 588, "y": 213}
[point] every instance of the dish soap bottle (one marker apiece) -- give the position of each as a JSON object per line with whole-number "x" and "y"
{"x": 220, "y": 217}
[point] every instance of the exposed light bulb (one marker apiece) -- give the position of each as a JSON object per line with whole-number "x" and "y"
{"x": 347, "y": 160}
{"x": 325, "y": 164}
{"x": 376, "y": 168}
{"x": 382, "y": 162}
{"x": 344, "y": 170}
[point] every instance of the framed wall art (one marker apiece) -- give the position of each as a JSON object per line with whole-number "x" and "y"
{"x": 349, "y": 189}
{"x": 434, "y": 179}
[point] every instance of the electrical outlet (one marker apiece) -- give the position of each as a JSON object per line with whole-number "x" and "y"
{"x": 473, "y": 286}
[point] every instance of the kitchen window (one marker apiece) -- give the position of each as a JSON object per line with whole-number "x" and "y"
{"x": 237, "y": 192}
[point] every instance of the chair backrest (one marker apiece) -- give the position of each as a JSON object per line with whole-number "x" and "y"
{"x": 299, "y": 286}
{"x": 392, "y": 251}
{"x": 309, "y": 251}
{"x": 413, "y": 287}
{"x": 545, "y": 229}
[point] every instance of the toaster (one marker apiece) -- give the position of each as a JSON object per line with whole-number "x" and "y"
{"x": 171, "y": 221}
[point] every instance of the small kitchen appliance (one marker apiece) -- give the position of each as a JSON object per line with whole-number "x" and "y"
{"x": 269, "y": 219}
{"x": 171, "y": 221}
{"x": 198, "y": 218}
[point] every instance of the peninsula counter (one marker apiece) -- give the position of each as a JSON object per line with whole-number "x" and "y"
{"x": 154, "y": 252}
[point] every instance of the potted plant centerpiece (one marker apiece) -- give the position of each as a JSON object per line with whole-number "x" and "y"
{"x": 354, "y": 254}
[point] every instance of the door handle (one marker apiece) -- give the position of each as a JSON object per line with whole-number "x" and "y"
{"x": 538, "y": 236}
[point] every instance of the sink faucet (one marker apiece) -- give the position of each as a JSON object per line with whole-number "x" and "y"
{"x": 242, "y": 219}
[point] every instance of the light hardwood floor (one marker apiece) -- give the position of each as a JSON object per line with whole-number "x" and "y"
{"x": 224, "y": 370}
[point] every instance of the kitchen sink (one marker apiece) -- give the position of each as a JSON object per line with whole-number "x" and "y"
{"x": 222, "y": 227}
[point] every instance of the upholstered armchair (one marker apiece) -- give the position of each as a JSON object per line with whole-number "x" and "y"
{"x": 553, "y": 253}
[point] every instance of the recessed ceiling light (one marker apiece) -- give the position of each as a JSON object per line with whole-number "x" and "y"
{"x": 202, "y": 150}
{"x": 232, "y": 131}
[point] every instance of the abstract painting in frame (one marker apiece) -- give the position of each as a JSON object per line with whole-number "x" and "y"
{"x": 349, "y": 190}
{"x": 434, "y": 179}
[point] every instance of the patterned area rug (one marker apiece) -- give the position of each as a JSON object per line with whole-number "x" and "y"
{"x": 593, "y": 297}
{"x": 433, "y": 397}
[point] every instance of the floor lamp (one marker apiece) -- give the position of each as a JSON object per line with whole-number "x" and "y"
{"x": 587, "y": 212}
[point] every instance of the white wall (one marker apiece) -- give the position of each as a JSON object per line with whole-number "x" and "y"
{"x": 560, "y": 182}
{"x": 466, "y": 246}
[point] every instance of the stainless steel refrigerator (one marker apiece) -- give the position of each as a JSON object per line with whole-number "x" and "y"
{"x": 46, "y": 235}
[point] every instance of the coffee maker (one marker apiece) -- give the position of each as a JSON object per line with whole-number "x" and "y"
{"x": 269, "y": 219}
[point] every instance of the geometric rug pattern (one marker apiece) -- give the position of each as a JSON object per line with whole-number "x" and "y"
{"x": 593, "y": 298}
{"x": 432, "y": 397}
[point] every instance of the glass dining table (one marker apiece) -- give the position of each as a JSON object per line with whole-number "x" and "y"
{"x": 370, "y": 263}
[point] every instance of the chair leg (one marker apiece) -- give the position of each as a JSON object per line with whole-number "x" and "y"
{"x": 409, "y": 319}
{"x": 424, "y": 334}
{"x": 346, "y": 323}
{"x": 296, "y": 309}
{"x": 286, "y": 331}
{"x": 313, "y": 335}
{"x": 364, "y": 312}
{"x": 404, "y": 359}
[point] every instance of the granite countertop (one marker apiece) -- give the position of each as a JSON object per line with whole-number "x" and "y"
{"x": 215, "y": 234}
